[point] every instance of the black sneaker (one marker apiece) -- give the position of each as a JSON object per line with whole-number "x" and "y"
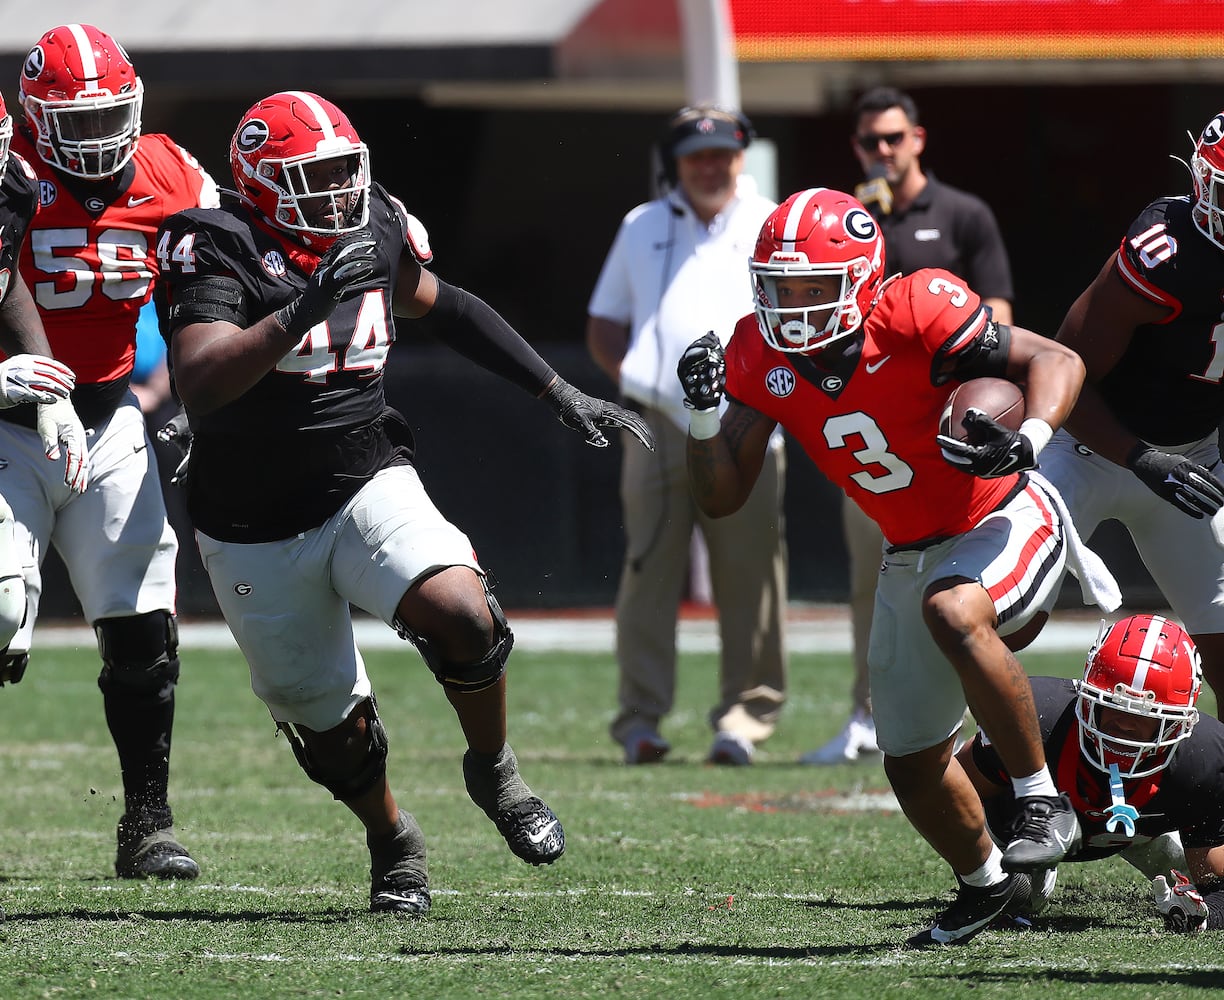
{"x": 533, "y": 831}
{"x": 399, "y": 882}
{"x": 1044, "y": 831}
{"x": 148, "y": 848}
{"x": 972, "y": 911}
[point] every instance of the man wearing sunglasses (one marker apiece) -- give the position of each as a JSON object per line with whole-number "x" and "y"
{"x": 925, "y": 223}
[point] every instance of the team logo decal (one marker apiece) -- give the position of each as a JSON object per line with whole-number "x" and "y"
{"x": 47, "y": 193}
{"x": 34, "y": 63}
{"x": 780, "y": 381}
{"x": 252, "y": 135}
{"x": 860, "y": 225}
{"x": 1214, "y": 131}
{"x": 243, "y": 589}
{"x": 831, "y": 384}
{"x": 94, "y": 204}
{"x": 274, "y": 263}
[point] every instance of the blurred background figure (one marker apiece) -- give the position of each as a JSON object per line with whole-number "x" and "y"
{"x": 925, "y": 223}
{"x": 675, "y": 271}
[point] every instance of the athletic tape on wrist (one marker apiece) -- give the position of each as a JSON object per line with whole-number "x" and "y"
{"x": 1038, "y": 433}
{"x": 704, "y": 424}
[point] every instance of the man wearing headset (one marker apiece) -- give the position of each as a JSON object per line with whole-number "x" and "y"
{"x": 674, "y": 272}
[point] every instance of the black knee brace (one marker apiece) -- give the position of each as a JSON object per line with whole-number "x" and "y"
{"x": 353, "y": 781}
{"x": 469, "y": 677}
{"x": 139, "y": 653}
{"x": 13, "y": 667}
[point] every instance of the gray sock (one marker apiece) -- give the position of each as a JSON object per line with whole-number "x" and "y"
{"x": 493, "y": 780}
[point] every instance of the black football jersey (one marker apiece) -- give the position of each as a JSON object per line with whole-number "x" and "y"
{"x": 1166, "y": 388}
{"x": 298, "y": 444}
{"x": 1187, "y": 796}
{"x": 18, "y": 203}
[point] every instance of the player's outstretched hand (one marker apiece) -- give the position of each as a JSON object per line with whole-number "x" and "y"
{"x": 991, "y": 450}
{"x": 588, "y": 414}
{"x": 703, "y": 373}
{"x": 59, "y": 425}
{"x": 1180, "y": 903}
{"x": 177, "y": 431}
{"x": 351, "y": 260}
{"x": 1185, "y": 484}
{"x": 32, "y": 378}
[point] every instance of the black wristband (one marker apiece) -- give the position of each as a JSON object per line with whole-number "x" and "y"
{"x": 1137, "y": 452}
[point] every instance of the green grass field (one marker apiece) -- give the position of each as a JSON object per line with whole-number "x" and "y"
{"x": 680, "y": 880}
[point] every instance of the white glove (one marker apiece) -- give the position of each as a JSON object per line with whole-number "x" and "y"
{"x": 1181, "y": 904}
{"x": 58, "y": 424}
{"x": 31, "y": 378}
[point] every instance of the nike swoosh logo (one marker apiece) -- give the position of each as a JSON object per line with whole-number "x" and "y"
{"x": 535, "y": 838}
{"x": 876, "y": 366}
{"x": 133, "y": 202}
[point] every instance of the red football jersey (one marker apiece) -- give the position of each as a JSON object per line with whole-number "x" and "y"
{"x": 89, "y": 257}
{"x": 873, "y": 433}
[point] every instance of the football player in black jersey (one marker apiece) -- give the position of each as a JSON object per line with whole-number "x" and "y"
{"x": 27, "y": 375}
{"x": 301, "y": 484}
{"x": 1142, "y": 444}
{"x": 1143, "y": 770}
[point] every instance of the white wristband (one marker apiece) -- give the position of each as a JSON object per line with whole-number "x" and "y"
{"x": 1038, "y": 433}
{"x": 704, "y": 424}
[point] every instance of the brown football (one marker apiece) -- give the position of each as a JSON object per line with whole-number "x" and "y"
{"x": 996, "y": 397}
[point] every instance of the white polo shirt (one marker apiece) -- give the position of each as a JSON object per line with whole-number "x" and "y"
{"x": 671, "y": 279}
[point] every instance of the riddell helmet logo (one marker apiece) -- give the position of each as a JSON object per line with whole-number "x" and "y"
{"x": 34, "y": 63}
{"x": 252, "y": 135}
{"x": 1214, "y": 131}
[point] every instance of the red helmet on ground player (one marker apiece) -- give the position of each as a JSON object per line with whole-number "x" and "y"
{"x": 1145, "y": 666}
{"x": 1207, "y": 170}
{"x": 299, "y": 162}
{"x": 814, "y": 233}
{"x": 83, "y": 100}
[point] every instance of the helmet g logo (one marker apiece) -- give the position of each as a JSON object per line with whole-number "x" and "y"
{"x": 1214, "y": 131}
{"x": 860, "y": 225}
{"x": 251, "y": 135}
{"x": 34, "y": 63}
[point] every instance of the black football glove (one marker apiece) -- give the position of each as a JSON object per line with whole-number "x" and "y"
{"x": 1185, "y": 484}
{"x": 350, "y": 261}
{"x": 992, "y": 450}
{"x": 177, "y": 431}
{"x": 587, "y": 414}
{"x": 703, "y": 373}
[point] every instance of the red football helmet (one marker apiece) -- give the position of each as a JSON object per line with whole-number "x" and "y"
{"x": 83, "y": 101}
{"x": 275, "y": 154}
{"x": 6, "y": 136}
{"x": 1145, "y": 666}
{"x": 814, "y": 233}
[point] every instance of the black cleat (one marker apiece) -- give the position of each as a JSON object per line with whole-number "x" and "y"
{"x": 533, "y": 831}
{"x": 399, "y": 881}
{"x": 971, "y": 912}
{"x": 1044, "y": 831}
{"x": 148, "y": 849}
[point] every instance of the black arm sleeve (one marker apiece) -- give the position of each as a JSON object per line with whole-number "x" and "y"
{"x": 475, "y": 330}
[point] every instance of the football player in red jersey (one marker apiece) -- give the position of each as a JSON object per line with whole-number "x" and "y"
{"x": 28, "y": 375}
{"x": 1144, "y": 772}
{"x": 1142, "y": 444}
{"x": 103, "y": 189}
{"x": 301, "y": 483}
{"x": 857, "y": 369}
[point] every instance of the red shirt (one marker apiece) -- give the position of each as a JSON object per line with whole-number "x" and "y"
{"x": 90, "y": 262}
{"x": 873, "y": 433}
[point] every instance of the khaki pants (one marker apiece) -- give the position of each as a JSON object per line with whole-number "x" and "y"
{"x": 865, "y": 544}
{"x": 748, "y": 577}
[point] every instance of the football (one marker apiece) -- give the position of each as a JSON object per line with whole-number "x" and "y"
{"x": 996, "y": 397}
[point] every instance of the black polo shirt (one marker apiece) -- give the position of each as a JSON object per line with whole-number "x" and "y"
{"x": 949, "y": 228}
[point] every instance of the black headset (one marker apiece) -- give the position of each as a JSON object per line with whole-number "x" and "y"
{"x": 667, "y": 141}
